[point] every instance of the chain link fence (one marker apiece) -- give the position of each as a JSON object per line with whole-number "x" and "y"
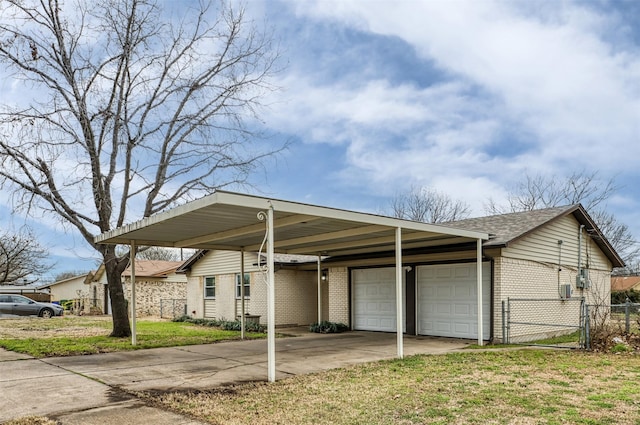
{"x": 173, "y": 307}
{"x": 614, "y": 327}
{"x": 544, "y": 322}
{"x": 626, "y": 316}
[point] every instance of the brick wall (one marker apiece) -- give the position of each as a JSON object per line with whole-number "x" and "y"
{"x": 296, "y": 297}
{"x": 338, "y": 289}
{"x": 524, "y": 279}
{"x": 195, "y": 296}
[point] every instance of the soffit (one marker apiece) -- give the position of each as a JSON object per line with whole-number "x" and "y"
{"x": 230, "y": 221}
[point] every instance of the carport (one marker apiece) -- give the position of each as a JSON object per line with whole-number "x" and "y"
{"x": 238, "y": 222}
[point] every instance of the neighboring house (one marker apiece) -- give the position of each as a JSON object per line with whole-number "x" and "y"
{"x": 625, "y": 283}
{"x": 159, "y": 289}
{"x": 214, "y": 290}
{"x": 68, "y": 289}
{"x": 530, "y": 261}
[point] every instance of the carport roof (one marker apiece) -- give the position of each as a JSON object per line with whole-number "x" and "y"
{"x": 229, "y": 221}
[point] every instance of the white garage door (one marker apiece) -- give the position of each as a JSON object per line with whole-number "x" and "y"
{"x": 374, "y": 299}
{"x": 447, "y": 302}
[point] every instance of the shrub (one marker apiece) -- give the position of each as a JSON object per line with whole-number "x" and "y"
{"x": 620, "y": 348}
{"x": 326, "y": 327}
{"x": 620, "y": 297}
{"x": 227, "y": 325}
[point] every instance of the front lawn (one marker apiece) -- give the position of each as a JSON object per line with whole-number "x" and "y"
{"x": 68, "y": 336}
{"x": 505, "y": 387}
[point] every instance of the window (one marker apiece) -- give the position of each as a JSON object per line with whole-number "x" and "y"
{"x": 247, "y": 285}
{"x": 210, "y": 287}
{"x": 20, "y": 299}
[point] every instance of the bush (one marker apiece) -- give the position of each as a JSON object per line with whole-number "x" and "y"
{"x": 620, "y": 297}
{"x": 226, "y": 325}
{"x": 326, "y": 327}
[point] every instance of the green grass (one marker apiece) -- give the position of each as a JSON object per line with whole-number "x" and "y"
{"x": 503, "y": 387}
{"x": 572, "y": 338}
{"x": 71, "y": 336}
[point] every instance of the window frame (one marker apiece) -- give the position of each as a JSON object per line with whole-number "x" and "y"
{"x": 213, "y": 287}
{"x": 247, "y": 286}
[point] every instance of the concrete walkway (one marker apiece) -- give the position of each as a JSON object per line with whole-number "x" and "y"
{"x": 87, "y": 389}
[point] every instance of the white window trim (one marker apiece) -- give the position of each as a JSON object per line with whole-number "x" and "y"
{"x": 204, "y": 286}
{"x": 236, "y": 287}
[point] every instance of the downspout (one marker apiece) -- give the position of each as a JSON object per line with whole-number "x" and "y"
{"x": 559, "y": 262}
{"x": 579, "y": 278}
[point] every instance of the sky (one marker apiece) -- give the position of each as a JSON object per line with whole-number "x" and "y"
{"x": 465, "y": 97}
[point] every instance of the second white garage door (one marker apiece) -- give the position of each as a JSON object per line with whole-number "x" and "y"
{"x": 374, "y": 299}
{"x": 447, "y": 302}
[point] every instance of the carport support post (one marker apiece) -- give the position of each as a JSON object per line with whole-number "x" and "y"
{"x": 242, "y": 318}
{"x": 132, "y": 256}
{"x": 479, "y": 289}
{"x": 319, "y": 289}
{"x": 271, "y": 296}
{"x": 399, "y": 272}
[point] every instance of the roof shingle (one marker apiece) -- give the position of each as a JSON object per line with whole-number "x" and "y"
{"x": 504, "y": 228}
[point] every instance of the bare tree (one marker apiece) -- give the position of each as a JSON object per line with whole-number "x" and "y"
{"x": 22, "y": 258}
{"x": 69, "y": 274}
{"x": 159, "y": 253}
{"x": 124, "y": 113}
{"x": 539, "y": 191}
{"x": 427, "y": 205}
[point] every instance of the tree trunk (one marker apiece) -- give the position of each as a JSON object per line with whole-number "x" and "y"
{"x": 119, "y": 306}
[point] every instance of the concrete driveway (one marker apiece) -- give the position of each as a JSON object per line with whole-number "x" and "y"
{"x": 86, "y": 389}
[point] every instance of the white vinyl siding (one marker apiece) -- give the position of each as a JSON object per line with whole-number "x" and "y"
{"x": 542, "y": 245}
{"x": 223, "y": 262}
{"x": 210, "y": 309}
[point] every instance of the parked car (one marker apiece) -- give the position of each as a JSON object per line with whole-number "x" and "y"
{"x": 22, "y": 306}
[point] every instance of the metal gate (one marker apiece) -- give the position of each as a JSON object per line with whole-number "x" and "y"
{"x": 545, "y": 322}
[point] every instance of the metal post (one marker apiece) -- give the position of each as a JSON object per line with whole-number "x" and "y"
{"x": 504, "y": 324}
{"x": 627, "y": 305}
{"x": 319, "y": 289}
{"x": 587, "y": 327}
{"x": 509, "y": 322}
{"x": 242, "y": 316}
{"x": 479, "y": 289}
{"x": 399, "y": 292}
{"x": 132, "y": 256}
{"x": 271, "y": 296}
{"x": 161, "y": 315}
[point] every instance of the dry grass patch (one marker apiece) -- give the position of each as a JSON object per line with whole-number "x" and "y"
{"x": 516, "y": 387}
{"x": 75, "y": 326}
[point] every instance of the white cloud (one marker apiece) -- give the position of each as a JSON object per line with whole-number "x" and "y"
{"x": 526, "y": 87}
